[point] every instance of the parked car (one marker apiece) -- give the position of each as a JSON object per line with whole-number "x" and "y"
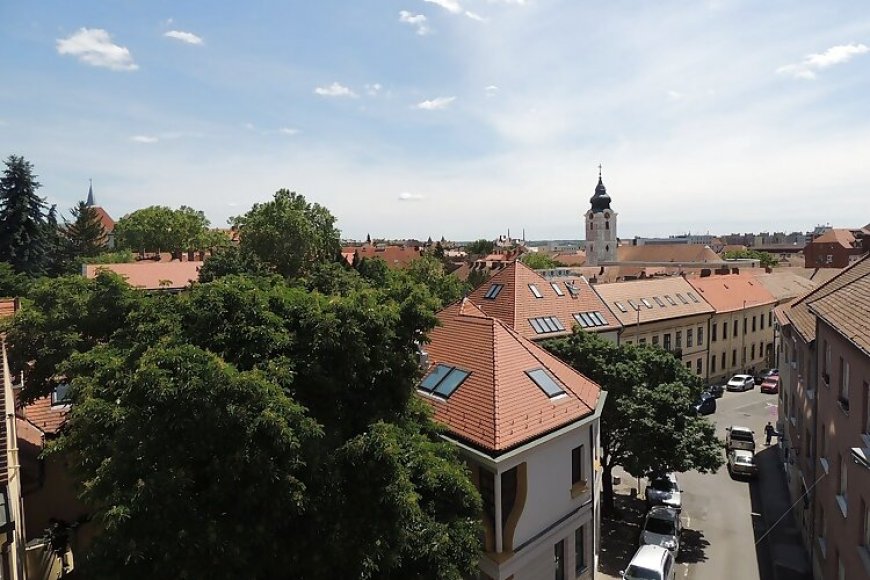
{"x": 650, "y": 563}
{"x": 741, "y": 383}
{"x": 764, "y": 373}
{"x": 716, "y": 390}
{"x": 770, "y": 384}
{"x": 737, "y": 437}
{"x": 662, "y": 527}
{"x": 664, "y": 490}
{"x": 742, "y": 462}
{"x": 705, "y": 405}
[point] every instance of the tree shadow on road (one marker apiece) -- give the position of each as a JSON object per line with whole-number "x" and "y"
{"x": 693, "y": 548}
{"x": 619, "y": 534}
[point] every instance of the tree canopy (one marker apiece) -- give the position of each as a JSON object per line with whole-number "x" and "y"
{"x": 162, "y": 229}
{"x": 289, "y": 233}
{"x": 538, "y": 261}
{"x": 647, "y": 425}
{"x": 767, "y": 260}
{"x": 84, "y": 234}
{"x": 480, "y": 247}
{"x": 27, "y": 224}
{"x": 214, "y": 431}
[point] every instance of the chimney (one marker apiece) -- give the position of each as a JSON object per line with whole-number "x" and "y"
{"x": 735, "y": 270}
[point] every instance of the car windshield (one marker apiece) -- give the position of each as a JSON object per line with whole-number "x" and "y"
{"x": 638, "y": 573}
{"x": 663, "y": 485}
{"x": 660, "y": 526}
{"x": 744, "y": 459}
{"x": 741, "y": 436}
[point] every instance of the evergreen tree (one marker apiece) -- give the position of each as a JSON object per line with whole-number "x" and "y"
{"x": 85, "y": 235}
{"x": 24, "y": 219}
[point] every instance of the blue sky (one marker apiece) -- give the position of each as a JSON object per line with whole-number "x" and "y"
{"x": 461, "y": 118}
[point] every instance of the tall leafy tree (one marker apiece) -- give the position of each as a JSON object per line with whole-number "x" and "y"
{"x": 480, "y": 247}
{"x": 12, "y": 283}
{"x": 160, "y": 228}
{"x": 84, "y": 233}
{"x": 538, "y": 261}
{"x": 766, "y": 259}
{"x": 25, "y": 225}
{"x": 289, "y": 233}
{"x": 647, "y": 425}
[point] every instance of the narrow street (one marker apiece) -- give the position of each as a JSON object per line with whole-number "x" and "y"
{"x": 723, "y": 517}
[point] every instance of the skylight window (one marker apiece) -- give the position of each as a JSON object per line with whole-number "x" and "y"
{"x": 693, "y": 297}
{"x": 621, "y": 306}
{"x": 493, "y": 291}
{"x": 633, "y": 305}
{"x": 545, "y": 324}
{"x": 590, "y": 319}
{"x": 556, "y": 289}
{"x": 669, "y": 299}
{"x": 659, "y": 301}
{"x": 682, "y": 298}
{"x": 546, "y": 382}
{"x": 646, "y": 302}
{"x": 443, "y": 380}
{"x": 535, "y": 291}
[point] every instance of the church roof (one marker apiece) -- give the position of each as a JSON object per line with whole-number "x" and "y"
{"x": 601, "y": 200}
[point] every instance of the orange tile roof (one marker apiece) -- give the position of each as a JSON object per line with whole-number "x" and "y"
{"x": 667, "y": 253}
{"x": 151, "y": 275}
{"x": 105, "y": 219}
{"x": 7, "y": 307}
{"x": 668, "y": 292}
{"x": 515, "y": 304}
{"x": 499, "y": 406}
{"x": 799, "y": 313}
{"x": 43, "y": 415}
{"x": 575, "y": 259}
{"x": 394, "y": 256}
{"x": 727, "y": 293}
{"x": 841, "y": 236}
{"x": 847, "y": 308}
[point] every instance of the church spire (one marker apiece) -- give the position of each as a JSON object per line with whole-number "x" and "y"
{"x": 90, "y": 202}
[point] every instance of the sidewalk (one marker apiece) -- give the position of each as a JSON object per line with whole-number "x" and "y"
{"x": 619, "y": 537}
{"x": 770, "y": 498}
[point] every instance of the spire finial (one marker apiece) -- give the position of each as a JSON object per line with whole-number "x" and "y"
{"x": 90, "y": 201}
{"x": 599, "y": 171}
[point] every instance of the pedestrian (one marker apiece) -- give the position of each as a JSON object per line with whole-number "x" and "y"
{"x": 768, "y": 433}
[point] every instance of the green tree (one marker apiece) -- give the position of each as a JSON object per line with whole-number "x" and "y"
{"x": 229, "y": 261}
{"x": 429, "y": 271}
{"x": 766, "y": 259}
{"x": 159, "y": 228}
{"x": 538, "y": 261}
{"x": 289, "y": 233}
{"x": 84, "y": 235}
{"x": 26, "y": 241}
{"x": 316, "y": 393}
{"x": 12, "y": 283}
{"x": 480, "y": 247}
{"x": 647, "y": 425}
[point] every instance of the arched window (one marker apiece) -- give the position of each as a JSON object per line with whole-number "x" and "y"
{"x": 607, "y": 225}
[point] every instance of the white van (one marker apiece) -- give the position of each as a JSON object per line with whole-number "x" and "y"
{"x": 650, "y": 563}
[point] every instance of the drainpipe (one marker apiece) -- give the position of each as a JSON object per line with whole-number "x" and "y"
{"x": 499, "y": 539}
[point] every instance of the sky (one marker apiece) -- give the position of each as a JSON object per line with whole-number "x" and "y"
{"x": 454, "y": 118}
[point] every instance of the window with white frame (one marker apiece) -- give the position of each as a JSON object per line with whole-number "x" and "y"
{"x": 60, "y": 395}
{"x": 700, "y": 336}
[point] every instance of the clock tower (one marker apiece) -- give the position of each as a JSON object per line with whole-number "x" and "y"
{"x": 600, "y": 220}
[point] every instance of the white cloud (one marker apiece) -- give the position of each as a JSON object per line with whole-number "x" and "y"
{"x": 408, "y": 196}
{"x": 373, "y": 89}
{"x": 94, "y": 46}
{"x": 288, "y": 131}
{"x": 491, "y": 90}
{"x": 806, "y": 69}
{"x": 436, "y": 103}
{"x": 474, "y": 16}
{"x": 187, "y": 37}
{"x": 144, "y": 139}
{"x": 335, "y": 90}
{"x": 451, "y": 6}
{"x": 416, "y": 20}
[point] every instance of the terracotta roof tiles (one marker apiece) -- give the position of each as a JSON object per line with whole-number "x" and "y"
{"x": 727, "y": 293}
{"x": 657, "y": 299}
{"x": 516, "y": 304}
{"x": 151, "y": 275}
{"x": 847, "y": 308}
{"x": 498, "y": 406}
{"x": 666, "y": 253}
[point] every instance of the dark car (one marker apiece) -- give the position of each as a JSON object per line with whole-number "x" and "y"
{"x": 705, "y": 405}
{"x": 764, "y": 373}
{"x": 716, "y": 390}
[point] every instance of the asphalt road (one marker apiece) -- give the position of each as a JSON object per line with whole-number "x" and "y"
{"x": 722, "y": 516}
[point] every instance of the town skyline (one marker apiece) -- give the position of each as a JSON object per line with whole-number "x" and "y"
{"x": 442, "y": 114}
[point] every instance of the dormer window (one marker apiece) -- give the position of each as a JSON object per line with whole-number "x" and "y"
{"x": 493, "y": 291}
{"x": 535, "y": 291}
{"x": 546, "y": 382}
{"x": 60, "y": 395}
{"x": 659, "y": 301}
{"x": 443, "y": 380}
{"x": 572, "y": 289}
{"x": 694, "y": 298}
{"x": 621, "y": 306}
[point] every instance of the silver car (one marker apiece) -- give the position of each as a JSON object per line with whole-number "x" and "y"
{"x": 662, "y": 528}
{"x": 664, "y": 491}
{"x": 741, "y": 383}
{"x": 742, "y": 462}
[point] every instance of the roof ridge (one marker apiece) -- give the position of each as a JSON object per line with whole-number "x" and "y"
{"x": 824, "y": 285}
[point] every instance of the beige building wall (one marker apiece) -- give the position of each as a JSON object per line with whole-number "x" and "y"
{"x": 689, "y": 335}
{"x": 741, "y": 340}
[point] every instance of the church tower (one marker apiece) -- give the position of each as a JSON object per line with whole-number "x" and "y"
{"x": 600, "y": 227}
